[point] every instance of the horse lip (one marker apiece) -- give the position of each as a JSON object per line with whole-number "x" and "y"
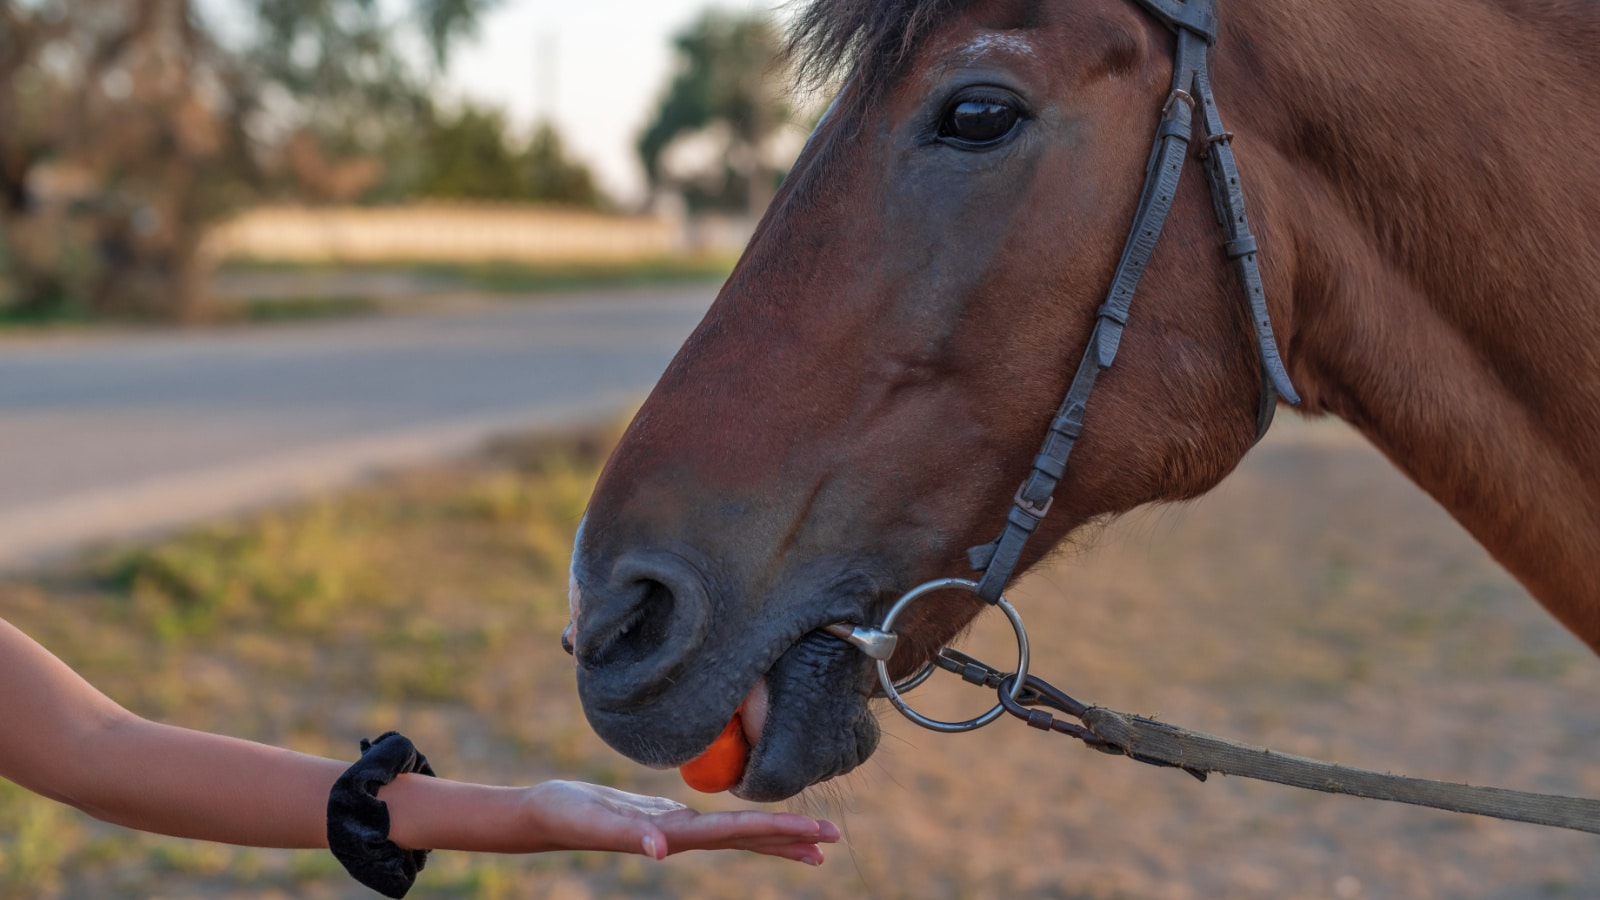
{"x": 753, "y": 712}
{"x": 757, "y": 699}
{"x": 783, "y": 738}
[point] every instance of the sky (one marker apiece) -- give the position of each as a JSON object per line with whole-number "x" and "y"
{"x": 596, "y": 67}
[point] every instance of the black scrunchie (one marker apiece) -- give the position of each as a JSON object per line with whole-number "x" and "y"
{"x": 358, "y": 822}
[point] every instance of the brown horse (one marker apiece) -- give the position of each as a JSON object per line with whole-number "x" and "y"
{"x": 874, "y": 379}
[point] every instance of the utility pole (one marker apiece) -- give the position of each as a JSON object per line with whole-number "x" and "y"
{"x": 547, "y": 76}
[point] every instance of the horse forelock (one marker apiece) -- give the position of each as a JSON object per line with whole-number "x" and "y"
{"x": 872, "y": 38}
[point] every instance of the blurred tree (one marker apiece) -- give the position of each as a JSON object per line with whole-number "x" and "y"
{"x": 468, "y": 155}
{"x": 726, "y": 88}
{"x": 471, "y": 154}
{"x": 128, "y": 126}
{"x": 552, "y": 176}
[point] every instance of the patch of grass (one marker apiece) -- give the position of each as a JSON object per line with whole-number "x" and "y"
{"x": 513, "y": 277}
{"x": 295, "y": 571}
{"x": 310, "y": 569}
{"x": 256, "y": 310}
{"x": 1553, "y": 666}
{"x": 192, "y": 857}
{"x": 493, "y": 278}
{"x": 37, "y": 839}
{"x": 299, "y": 309}
{"x": 315, "y": 867}
{"x": 516, "y": 278}
{"x": 14, "y": 318}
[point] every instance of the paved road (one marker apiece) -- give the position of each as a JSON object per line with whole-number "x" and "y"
{"x": 108, "y": 435}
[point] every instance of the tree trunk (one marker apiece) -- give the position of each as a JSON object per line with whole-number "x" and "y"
{"x": 135, "y": 280}
{"x": 35, "y": 266}
{"x": 149, "y": 259}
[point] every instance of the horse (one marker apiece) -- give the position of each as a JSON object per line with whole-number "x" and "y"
{"x": 873, "y": 380}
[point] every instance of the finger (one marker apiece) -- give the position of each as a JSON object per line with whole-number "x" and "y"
{"x": 755, "y": 844}
{"x": 751, "y": 823}
{"x": 652, "y": 842}
{"x": 799, "y": 851}
{"x": 809, "y": 854}
{"x": 761, "y": 845}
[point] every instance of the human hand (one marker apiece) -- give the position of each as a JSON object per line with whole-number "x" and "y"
{"x": 582, "y": 816}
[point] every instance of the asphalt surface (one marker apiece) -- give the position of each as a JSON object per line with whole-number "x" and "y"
{"x": 112, "y": 435}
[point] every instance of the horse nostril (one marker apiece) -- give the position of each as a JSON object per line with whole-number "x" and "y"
{"x": 643, "y": 631}
{"x": 566, "y": 639}
{"x": 641, "y": 627}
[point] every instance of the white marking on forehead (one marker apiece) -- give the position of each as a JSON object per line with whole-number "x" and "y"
{"x": 984, "y": 44}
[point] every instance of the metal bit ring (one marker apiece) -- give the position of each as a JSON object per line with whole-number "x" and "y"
{"x": 912, "y": 681}
{"x": 891, "y": 690}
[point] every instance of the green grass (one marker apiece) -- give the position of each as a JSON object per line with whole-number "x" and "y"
{"x": 300, "y": 309}
{"x": 489, "y": 278}
{"x": 13, "y": 319}
{"x": 516, "y": 278}
{"x": 520, "y": 278}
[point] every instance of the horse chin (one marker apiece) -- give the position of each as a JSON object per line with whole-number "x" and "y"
{"x": 811, "y": 714}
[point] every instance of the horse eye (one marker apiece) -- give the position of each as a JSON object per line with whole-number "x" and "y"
{"x": 975, "y": 123}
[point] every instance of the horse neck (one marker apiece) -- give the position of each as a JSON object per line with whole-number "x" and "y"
{"x": 1441, "y": 293}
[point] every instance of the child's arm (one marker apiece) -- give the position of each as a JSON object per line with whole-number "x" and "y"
{"x": 65, "y": 740}
{"x": 69, "y": 742}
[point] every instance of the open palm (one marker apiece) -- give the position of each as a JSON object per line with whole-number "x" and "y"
{"x": 591, "y": 817}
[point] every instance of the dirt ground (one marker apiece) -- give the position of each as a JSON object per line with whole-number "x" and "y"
{"x": 1316, "y": 603}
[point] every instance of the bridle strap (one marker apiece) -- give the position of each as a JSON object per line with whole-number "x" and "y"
{"x": 1239, "y": 244}
{"x": 1199, "y": 19}
{"x": 1194, "y": 25}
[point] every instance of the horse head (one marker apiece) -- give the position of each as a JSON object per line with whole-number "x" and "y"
{"x": 873, "y": 381}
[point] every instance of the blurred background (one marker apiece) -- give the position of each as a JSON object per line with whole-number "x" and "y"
{"x": 150, "y": 148}
{"x": 317, "y": 321}
{"x": 396, "y": 173}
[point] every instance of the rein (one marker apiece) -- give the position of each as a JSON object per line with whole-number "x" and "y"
{"x": 1027, "y": 697}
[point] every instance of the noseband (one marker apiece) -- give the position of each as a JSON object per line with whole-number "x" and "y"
{"x": 1194, "y": 23}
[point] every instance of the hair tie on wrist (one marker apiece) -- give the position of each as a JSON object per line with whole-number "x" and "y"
{"x": 358, "y": 822}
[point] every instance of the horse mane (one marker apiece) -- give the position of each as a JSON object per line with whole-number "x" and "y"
{"x": 873, "y": 38}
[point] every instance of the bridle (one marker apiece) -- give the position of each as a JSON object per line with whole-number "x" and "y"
{"x": 1194, "y": 24}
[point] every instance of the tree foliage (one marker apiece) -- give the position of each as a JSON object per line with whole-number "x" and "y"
{"x": 470, "y": 154}
{"x": 128, "y": 126}
{"x": 725, "y": 87}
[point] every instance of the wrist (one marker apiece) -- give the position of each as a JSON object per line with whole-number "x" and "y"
{"x": 360, "y": 825}
{"x": 409, "y": 822}
{"x": 538, "y": 814}
{"x": 454, "y": 815}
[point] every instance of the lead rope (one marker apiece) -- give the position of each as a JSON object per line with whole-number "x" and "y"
{"x": 1200, "y": 754}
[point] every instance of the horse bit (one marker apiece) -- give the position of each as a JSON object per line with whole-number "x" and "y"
{"x": 1194, "y": 24}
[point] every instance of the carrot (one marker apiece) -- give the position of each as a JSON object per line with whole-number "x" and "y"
{"x": 722, "y": 765}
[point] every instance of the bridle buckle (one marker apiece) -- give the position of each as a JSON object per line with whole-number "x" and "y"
{"x": 1177, "y": 95}
{"x": 1027, "y": 506}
